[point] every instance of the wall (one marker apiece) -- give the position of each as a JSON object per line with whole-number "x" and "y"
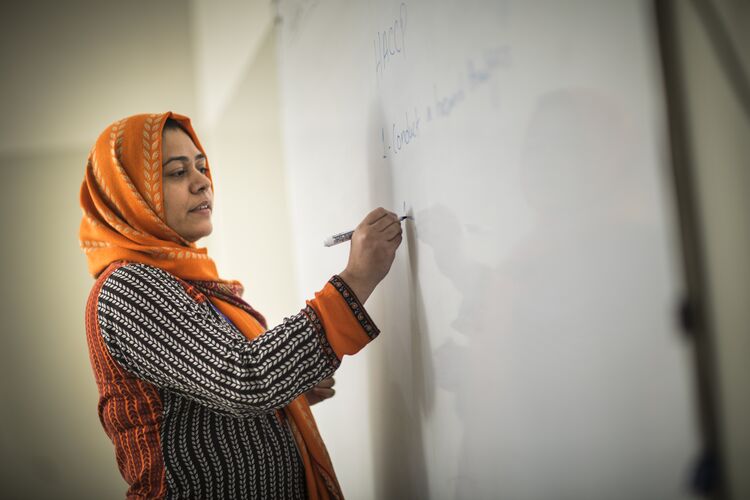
{"x": 69, "y": 70}
{"x": 530, "y": 346}
{"x": 718, "y": 127}
{"x": 72, "y": 68}
{"x": 52, "y": 442}
{"x": 252, "y": 238}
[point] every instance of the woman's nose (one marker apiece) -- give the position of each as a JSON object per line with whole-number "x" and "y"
{"x": 200, "y": 181}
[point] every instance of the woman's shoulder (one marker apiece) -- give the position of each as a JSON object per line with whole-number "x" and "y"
{"x": 135, "y": 275}
{"x": 135, "y": 283}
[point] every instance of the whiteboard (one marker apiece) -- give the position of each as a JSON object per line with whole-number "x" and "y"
{"x": 529, "y": 346}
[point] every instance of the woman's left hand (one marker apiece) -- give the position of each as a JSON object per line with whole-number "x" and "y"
{"x": 322, "y": 391}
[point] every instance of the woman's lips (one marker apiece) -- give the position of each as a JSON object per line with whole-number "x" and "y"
{"x": 201, "y": 211}
{"x": 202, "y": 207}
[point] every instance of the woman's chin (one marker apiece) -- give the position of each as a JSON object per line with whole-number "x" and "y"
{"x": 199, "y": 233}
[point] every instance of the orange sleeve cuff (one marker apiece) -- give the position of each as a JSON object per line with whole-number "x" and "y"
{"x": 346, "y": 324}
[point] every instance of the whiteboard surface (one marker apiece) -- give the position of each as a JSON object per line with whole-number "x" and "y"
{"x": 529, "y": 346}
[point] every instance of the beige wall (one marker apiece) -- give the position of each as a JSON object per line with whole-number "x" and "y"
{"x": 52, "y": 442}
{"x": 226, "y": 36}
{"x": 69, "y": 69}
{"x": 234, "y": 49}
{"x": 719, "y": 142}
{"x": 252, "y": 235}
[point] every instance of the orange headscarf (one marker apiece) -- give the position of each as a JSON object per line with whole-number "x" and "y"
{"x": 123, "y": 220}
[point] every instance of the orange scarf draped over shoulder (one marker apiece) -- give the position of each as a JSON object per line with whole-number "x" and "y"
{"x": 123, "y": 220}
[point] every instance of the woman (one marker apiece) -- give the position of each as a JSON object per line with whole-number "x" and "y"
{"x": 198, "y": 398}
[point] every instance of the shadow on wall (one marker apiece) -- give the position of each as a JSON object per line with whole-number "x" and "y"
{"x": 561, "y": 341}
{"x": 564, "y": 338}
{"x": 400, "y": 398}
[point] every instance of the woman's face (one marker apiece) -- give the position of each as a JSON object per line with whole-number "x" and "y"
{"x": 187, "y": 190}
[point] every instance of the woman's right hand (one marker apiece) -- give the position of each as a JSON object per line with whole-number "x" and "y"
{"x": 372, "y": 251}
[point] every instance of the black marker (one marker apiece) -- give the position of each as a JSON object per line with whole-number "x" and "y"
{"x": 346, "y": 236}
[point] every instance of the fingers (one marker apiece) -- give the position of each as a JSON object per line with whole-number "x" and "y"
{"x": 375, "y": 215}
{"x": 326, "y": 382}
{"x": 323, "y": 389}
{"x": 373, "y": 250}
{"x": 396, "y": 240}
{"x": 385, "y": 222}
{"x": 392, "y": 231}
{"x": 324, "y": 393}
{"x": 389, "y": 227}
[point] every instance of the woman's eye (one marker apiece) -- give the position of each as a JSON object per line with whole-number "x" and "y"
{"x": 177, "y": 173}
{"x": 203, "y": 170}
